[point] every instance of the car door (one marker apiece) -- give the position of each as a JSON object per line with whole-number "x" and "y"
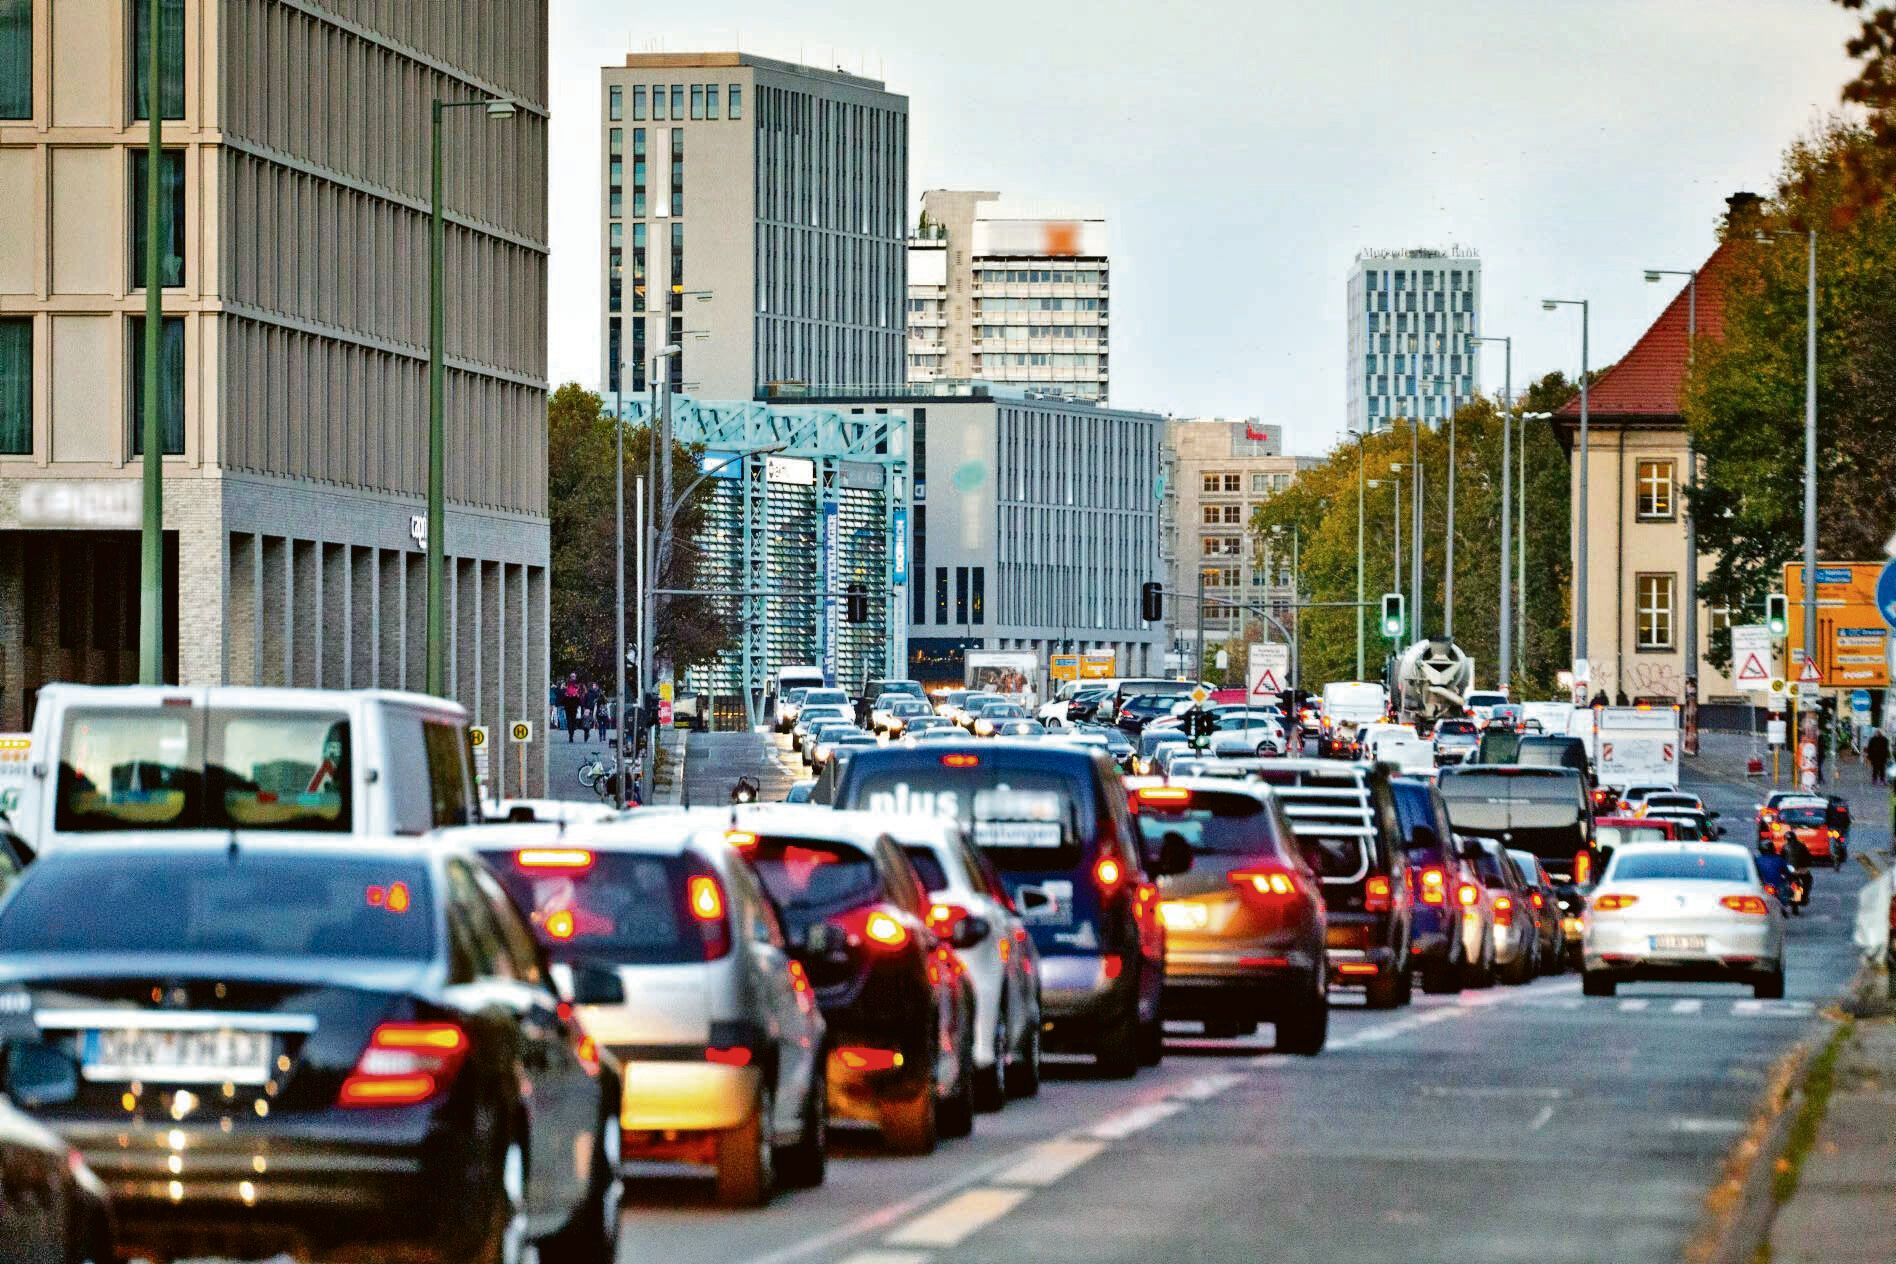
{"x": 905, "y": 891}
{"x": 783, "y": 1000}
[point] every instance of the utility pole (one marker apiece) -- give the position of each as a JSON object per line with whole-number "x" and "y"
{"x": 1448, "y": 543}
{"x": 1505, "y": 670}
{"x": 1810, "y": 472}
{"x": 1581, "y": 502}
{"x": 1361, "y": 492}
{"x": 151, "y": 545}
{"x": 1415, "y": 525}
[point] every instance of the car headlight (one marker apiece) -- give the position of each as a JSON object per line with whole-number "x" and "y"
{"x": 984, "y": 728}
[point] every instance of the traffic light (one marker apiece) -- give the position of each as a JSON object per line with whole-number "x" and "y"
{"x": 856, "y": 603}
{"x": 1199, "y": 726}
{"x": 1777, "y": 614}
{"x": 1394, "y": 617}
{"x": 1151, "y": 601}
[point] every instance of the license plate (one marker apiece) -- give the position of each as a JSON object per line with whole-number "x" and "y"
{"x": 178, "y": 1057}
{"x": 1678, "y": 943}
{"x": 1179, "y": 915}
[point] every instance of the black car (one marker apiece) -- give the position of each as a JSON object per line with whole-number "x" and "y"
{"x": 1140, "y": 710}
{"x": 1546, "y": 811}
{"x": 52, "y": 1208}
{"x": 1054, "y": 820}
{"x": 899, "y": 1008}
{"x": 1438, "y": 865}
{"x": 310, "y": 1048}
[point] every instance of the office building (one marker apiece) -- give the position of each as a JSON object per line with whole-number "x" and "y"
{"x": 1217, "y": 474}
{"x": 1000, "y": 295}
{"x": 294, "y": 372}
{"x": 753, "y": 214}
{"x": 1413, "y": 315}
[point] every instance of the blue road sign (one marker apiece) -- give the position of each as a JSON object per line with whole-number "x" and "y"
{"x": 1886, "y": 593}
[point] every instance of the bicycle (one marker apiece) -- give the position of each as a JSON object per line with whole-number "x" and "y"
{"x": 593, "y": 770}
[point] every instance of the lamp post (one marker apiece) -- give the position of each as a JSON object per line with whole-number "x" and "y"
{"x": 648, "y": 606}
{"x": 1810, "y": 697}
{"x": 1506, "y": 656}
{"x": 1689, "y": 739}
{"x": 1582, "y": 507}
{"x": 498, "y": 108}
{"x": 1415, "y": 526}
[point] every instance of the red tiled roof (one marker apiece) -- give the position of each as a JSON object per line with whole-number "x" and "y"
{"x": 1646, "y": 381}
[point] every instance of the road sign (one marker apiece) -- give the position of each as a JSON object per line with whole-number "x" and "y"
{"x": 1774, "y": 732}
{"x": 1269, "y": 669}
{"x": 1200, "y": 695}
{"x": 478, "y": 736}
{"x": 1751, "y": 657}
{"x": 1860, "y": 704}
{"x": 521, "y": 732}
{"x": 1853, "y": 624}
{"x": 1886, "y": 592}
{"x": 1808, "y": 673}
{"x": 1064, "y": 666}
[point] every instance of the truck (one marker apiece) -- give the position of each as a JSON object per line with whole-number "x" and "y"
{"x": 1430, "y": 681}
{"x": 1014, "y": 674}
{"x": 1348, "y": 706}
{"x": 1637, "y": 746}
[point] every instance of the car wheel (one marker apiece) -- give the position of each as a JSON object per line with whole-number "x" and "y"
{"x": 804, "y": 1164}
{"x": 908, "y": 1124}
{"x": 1117, "y": 1052}
{"x": 1023, "y": 1073}
{"x": 1152, "y": 1038}
{"x": 592, "y": 1236}
{"x": 1385, "y": 990}
{"x": 745, "y": 1158}
{"x": 504, "y": 1238}
{"x": 990, "y": 1085}
{"x": 955, "y": 1115}
{"x": 1598, "y": 983}
{"x": 1303, "y": 1024}
{"x": 1770, "y": 987}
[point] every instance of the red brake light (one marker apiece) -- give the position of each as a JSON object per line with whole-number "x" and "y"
{"x": 1504, "y": 910}
{"x": 1263, "y": 882}
{"x": 1111, "y": 965}
{"x": 1582, "y": 868}
{"x": 735, "y": 1056}
{"x": 944, "y": 918}
{"x": 1376, "y": 893}
{"x": 864, "y": 1058}
{"x": 1164, "y": 794}
{"x": 707, "y": 901}
{"x": 961, "y": 761}
{"x": 559, "y": 924}
{"x": 555, "y": 858}
{"x": 1536, "y": 899}
{"x": 1108, "y": 873}
{"x": 1434, "y": 886}
{"x": 1466, "y": 894}
{"x": 394, "y": 897}
{"x": 1752, "y": 904}
{"x": 885, "y": 930}
{"x": 1613, "y": 903}
{"x": 405, "y": 1064}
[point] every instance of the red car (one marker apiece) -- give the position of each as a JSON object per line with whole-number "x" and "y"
{"x": 1811, "y": 820}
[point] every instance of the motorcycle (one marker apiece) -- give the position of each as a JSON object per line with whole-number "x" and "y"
{"x": 1799, "y": 882}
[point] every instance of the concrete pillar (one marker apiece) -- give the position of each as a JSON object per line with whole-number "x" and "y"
{"x": 333, "y": 577}
{"x": 390, "y": 624}
{"x": 305, "y": 615}
{"x": 273, "y": 598}
{"x": 534, "y": 679}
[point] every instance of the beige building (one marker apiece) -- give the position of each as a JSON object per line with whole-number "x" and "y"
{"x": 753, "y": 214}
{"x": 1000, "y": 295}
{"x": 295, "y": 343}
{"x": 1217, "y": 473}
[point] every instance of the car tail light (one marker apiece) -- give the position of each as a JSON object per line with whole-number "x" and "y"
{"x": 1503, "y": 910}
{"x": 577, "y": 858}
{"x": 1111, "y": 965}
{"x": 740, "y": 839}
{"x": 1537, "y": 899}
{"x": 961, "y": 761}
{"x": 1752, "y": 904}
{"x": 1892, "y": 914}
{"x": 1834, "y": 835}
{"x": 1582, "y": 868}
{"x": 1163, "y": 794}
{"x": 1613, "y": 903}
{"x": 880, "y": 928}
{"x": 1356, "y": 967}
{"x": 706, "y": 900}
{"x": 732, "y": 1056}
{"x": 405, "y": 1064}
{"x": 1466, "y": 894}
{"x": 1376, "y": 896}
{"x": 1434, "y": 886}
{"x": 866, "y": 1058}
{"x": 1267, "y": 882}
{"x": 1107, "y": 873}
{"x": 946, "y": 919}
{"x": 559, "y": 924}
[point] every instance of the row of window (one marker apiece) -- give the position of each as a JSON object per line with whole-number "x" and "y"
{"x": 988, "y": 306}
{"x": 1426, "y": 323}
{"x": 1021, "y": 333}
{"x": 970, "y": 591}
{"x": 1399, "y": 279}
{"x": 831, "y": 165}
{"x": 16, "y": 384}
{"x": 1424, "y": 364}
{"x": 1228, "y": 483}
{"x": 615, "y": 173}
{"x": 1216, "y": 515}
{"x": 1038, "y": 360}
{"x": 1378, "y": 301}
{"x": 705, "y": 101}
{"x": 16, "y": 58}
{"x": 1439, "y": 385}
{"x": 1430, "y": 408}
{"x": 1038, "y": 276}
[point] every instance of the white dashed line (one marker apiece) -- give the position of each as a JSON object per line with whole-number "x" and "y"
{"x": 1633, "y": 1006}
{"x": 1540, "y": 1120}
{"x": 887, "y": 1257}
{"x": 1048, "y": 1162}
{"x": 1706, "y": 1125}
{"x": 1687, "y": 1007}
{"x": 1207, "y": 1087}
{"x": 1138, "y": 1119}
{"x": 958, "y": 1219}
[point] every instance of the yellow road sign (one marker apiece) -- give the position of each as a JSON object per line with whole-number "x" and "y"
{"x": 522, "y": 731}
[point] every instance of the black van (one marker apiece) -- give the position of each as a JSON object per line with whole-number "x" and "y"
{"x": 1055, "y": 822}
{"x": 1542, "y": 810}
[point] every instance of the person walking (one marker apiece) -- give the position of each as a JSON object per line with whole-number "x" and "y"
{"x": 594, "y": 720}
{"x": 570, "y": 699}
{"x": 1876, "y": 755}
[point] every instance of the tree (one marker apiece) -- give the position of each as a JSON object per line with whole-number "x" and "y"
{"x": 580, "y": 509}
{"x": 1744, "y": 399}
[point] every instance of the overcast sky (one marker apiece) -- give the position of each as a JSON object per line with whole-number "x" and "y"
{"x": 1245, "y": 150}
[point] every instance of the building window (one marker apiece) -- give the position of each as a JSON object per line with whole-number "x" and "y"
{"x": 16, "y": 59}
{"x": 1212, "y": 516}
{"x": 170, "y": 384}
{"x": 1210, "y": 546}
{"x": 614, "y": 344}
{"x": 615, "y": 173}
{"x": 16, "y": 386}
{"x": 1655, "y": 597}
{"x": 697, "y": 101}
{"x": 638, "y": 173}
{"x": 711, "y": 95}
{"x": 678, "y": 102}
{"x": 920, "y": 471}
{"x": 737, "y": 102}
{"x": 638, "y": 103}
{"x": 615, "y": 264}
{"x": 638, "y": 353}
{"x": 170, "y": 217}
{"x": 658, "y": 102}
{"x": 961, "y": 594}
{"x": 1655, "y": 490}
{"x": 678, "y": 264}
{"x": 980, "y": 595}
{"x": 1260, "y": 482}
{"x": 638, "y": 267}
{"x": 941, "y": 595}
{"x": 1234, "y": 482}
{"x": 1211, "y": 483}
{"x": 615, "y": 101}
{"x": 615, "y": 142}
{"x": 170, "y": 58}
{"x": 678, "y": 173}
{"x": 1233, "y": 513}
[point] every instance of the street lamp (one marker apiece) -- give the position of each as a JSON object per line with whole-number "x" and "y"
{"x": 1296, "y": 604}
{"x": 497, "y": 108}
{"x": 1506, "y": 656}
{"x": 1581, "y": 511}
{"x": 1690, "y": 735}
{"x": 658, "y": 440}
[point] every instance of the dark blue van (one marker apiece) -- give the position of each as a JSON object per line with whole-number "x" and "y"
{"x": 1055, "y": 822}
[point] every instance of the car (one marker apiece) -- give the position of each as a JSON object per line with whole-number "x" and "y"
{"x": 879, "y": 695}
{"x": 521, "y": 811}
{"x": 1146, "y": 761}
{"x": 823, "y": 730}
{"x": 809, "y": 717}
{"x": 969, "y": 907}
{"x": 1683, "y": 911}
{"x": 923, "y": 723}
{"x": 897, "y": 1003}
{"x": 828, "y": 697}
{"x": 1482, "y": 703}
{"x": 1632, "y": 796}
{"x": 1344, "y": 816}
{"x": 1244, "y": 917}
{"x": 970, "y": 706}
{"x": 831, "y": 743}
{"x": 1544, "y": 897}
{"x": 786, "y": 690}
{"x": 1516, "y": 928}
{"x": 987, "y": 718}
{"x": 946, "y": 731}
{"x": 1657, "y": 800}
{"x": 1456, "y": 741}
{"x": 1687, "y": 823}
{"x": 719, "y": 1038}
{"x": 1542, "y": 810}
{"x": 800, "y": 791}
{"x": 1138, "y": 710}
{"x": 1054, "y": 821}
{"x": 1248, "y": 732}
{"x": 1019, "y": 728}
{"x": 1609, "y": 832}
{"x": 1119, "y": 748}
{"x": 307, "y": 1045}
{"x": 1450, "y": 913}
{"x": 1556, "y": 750}
{"x": 55, "y": 1209}
{"x": 1812, "y": 821}
{"x": 895, "y": 712}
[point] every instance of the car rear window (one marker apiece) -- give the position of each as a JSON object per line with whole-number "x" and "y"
{"x": 1025, "y": 819}
{"x": 239, "y": 903}
{"x": 927, "y": 867}
{"x": 812, "y": 878}
{"x": 1614, "y": 835}
{"x": 609, "y": 906}
{"x": 1212, "y": 822}
{"x": 1700, "y": 865}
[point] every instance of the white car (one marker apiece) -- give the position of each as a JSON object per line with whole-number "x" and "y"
{"x": 893, "y": 713}
{"x": 1689, "y": 911}
{"x": 969, "y": 908}
{"x": 526, "y": 811}
{"x": 1481, "y": 704}
{"x": 810, "y": 716}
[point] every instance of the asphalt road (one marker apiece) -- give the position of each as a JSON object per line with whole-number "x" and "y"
{"x": 1513, "y": 1124}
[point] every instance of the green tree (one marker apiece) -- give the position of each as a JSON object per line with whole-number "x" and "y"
{"x": 580, "y": 508}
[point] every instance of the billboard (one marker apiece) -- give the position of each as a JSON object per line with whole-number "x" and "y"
{"x": 1010, "y": 673}
{"x": 1852, "y": 639}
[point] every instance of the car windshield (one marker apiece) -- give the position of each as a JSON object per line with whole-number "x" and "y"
{"x": 232, "y": 902}
{"x": 927, "y": 866}
{"x": 1455, "y": 728}
{"x": 1704, "y": 866}
{"x": 612, "y": 906}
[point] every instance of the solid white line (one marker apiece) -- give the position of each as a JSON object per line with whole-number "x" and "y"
{"x": 1207, "y": 1087}
{"x": 1048, "y": 1162}
{"x": 1138, "y": 1119}
{"x": 958, "y": 1219}
{"x": 1633, "y": 1007}
{"x": 887, "y": 1257}
{"x": 1687, "y": 1007}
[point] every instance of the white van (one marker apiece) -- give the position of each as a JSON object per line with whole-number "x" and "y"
{"x": 787, "y": 680}
{"x": 226, "y": 759}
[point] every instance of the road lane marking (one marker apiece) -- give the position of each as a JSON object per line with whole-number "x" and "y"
{"x": 958, "y": 1219}
{"x": 1049, "y": 1161}
{"x": 1773, "y": 1009}
{"x": 1138, "y": 1119}
{"x": 1687, "y": 1007}
{"x": 1706, "y": 1125}
{"x": 1633, "y": 1007}
{"x": 1493, "y": 1090}
{"x": 1540, "y": 1120}
{"x": 887, "y": 1257}
{"x": 1207, "y": 1087}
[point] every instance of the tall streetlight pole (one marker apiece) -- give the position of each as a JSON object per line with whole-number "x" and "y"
{"x": 1506, "y": 656}
{"x": 1581, "y": 504}
{"x": 151, "y": 549}
{"x": 498, "y": 108}
{"x": 1689, "y": 739}
{"x": 648, "y": 607}
{"x": 1448, "y": 543}
{"x": 1810, "y": 697}
{"x": 1520, "y": 524}
{"x": 1361, "y": 471}
{"x": 1415, "y": 525}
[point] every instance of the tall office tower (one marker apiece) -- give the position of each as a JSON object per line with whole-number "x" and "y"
{"x": 1006, "y": 297}
{"x": 1413, "y": 318}
{"x": 753, "y": 216}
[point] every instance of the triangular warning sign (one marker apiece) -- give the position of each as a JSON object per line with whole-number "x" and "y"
{"x": 1752, "y": 669}
{"x": 1267, "y": 684}
{"x": 1808, "y": 674}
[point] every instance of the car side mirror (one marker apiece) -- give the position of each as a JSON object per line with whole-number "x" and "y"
{"x": 36, "y": 1074}
{"x": 1467, "y": 849}
{"x": 595, "y": 985}
{"x": 1718, "y": 831}
{"x": 968, "y": 932}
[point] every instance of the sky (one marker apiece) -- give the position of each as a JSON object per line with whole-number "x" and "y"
{"x": 1245, "y": 150}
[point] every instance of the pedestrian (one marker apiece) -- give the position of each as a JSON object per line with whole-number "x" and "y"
{"x": 570, "y": 698}
{"x": 553, "y": 705}
{"x": 594, "y": 720}
{"x": 1600, "y": 699}
{"x": 1621, "y": 700}
{"x": 1876, "y": 755}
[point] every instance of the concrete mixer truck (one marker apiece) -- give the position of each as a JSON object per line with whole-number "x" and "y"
{"x": 1430, "y": 681}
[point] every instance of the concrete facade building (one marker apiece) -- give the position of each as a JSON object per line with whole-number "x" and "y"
{"x": 753, "y": 212}
{"x": 1002, "y": 296}
{"x": 1413, "y": 317}
{"x": 1217, "y": 473}
{"x": 295, "y": 344}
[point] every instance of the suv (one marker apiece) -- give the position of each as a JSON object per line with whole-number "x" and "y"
{"x": 1053, "y": 819}
{"x": 1542, "y": 810}
{"x": 1449, "y": 917}
{"x": 718, "y": 1036}
{"x": 1456, "y": 741}
{"x": 899, "y": 1007}
{"x": 1244, "y": 919}
{"x": 1344, "y": 816}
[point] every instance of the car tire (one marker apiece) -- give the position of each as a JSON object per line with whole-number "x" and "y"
{"x": 745, "y": 1158}
{"x": 1303, "y": 1024}
{"x": 1116, "y": 1054}
{"x": 502, "y": 1237}
{"x": 804, "y": 1163}
{"x": 1152, "y": 1038}
{"x": 990, "y": 1085}
{"x": 592, "y": 1236}
{"x": 1023, "y": 1073}
{"x": 1598, "y": 983}
{"x": 908, "y": 1124}
{"x": 1481, "y": 973}
{"x": 1769, "y": 987}
{"x": 955, "y": 1115}
{"x": 1385, "y": 991}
